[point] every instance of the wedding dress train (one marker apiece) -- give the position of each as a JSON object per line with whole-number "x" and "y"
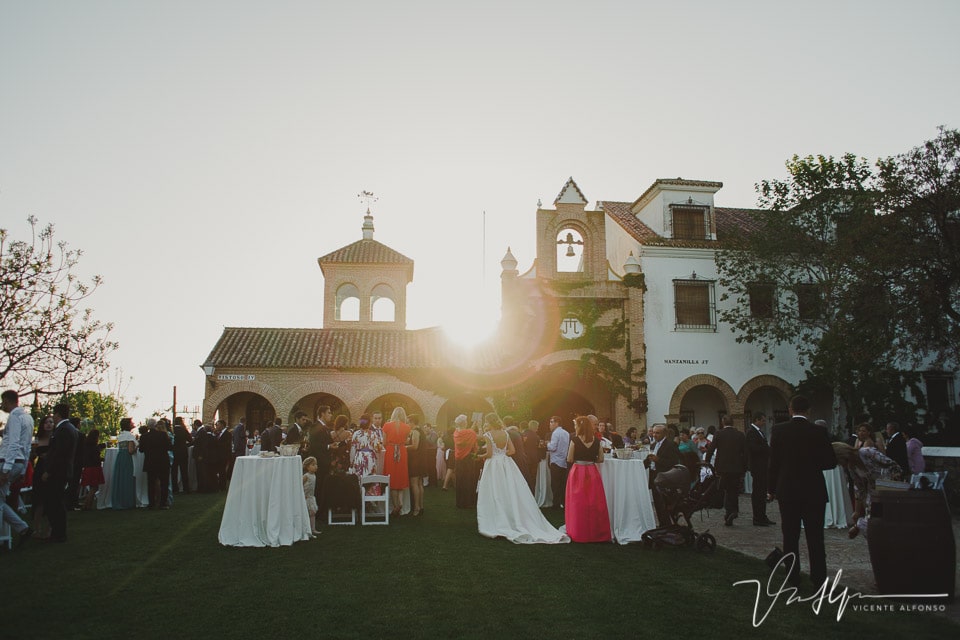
{"x": 505, "y": 506}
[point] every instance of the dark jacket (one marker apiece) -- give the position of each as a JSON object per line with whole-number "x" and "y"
{"x": 182, "y": 439}
{"x": 758, "y": 452}
{"x": 155, "y": 446}
{"x": 667, "y": 457}
{"x": 61, "y": 454}
{"x": 897, "y": 451}
{"x": 731, "y": 452}
{"x": 799, "y": 453}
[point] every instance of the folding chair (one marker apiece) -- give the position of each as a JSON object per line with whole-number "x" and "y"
{"x": 382, "y": 499}
{"x": 342, "y": 518}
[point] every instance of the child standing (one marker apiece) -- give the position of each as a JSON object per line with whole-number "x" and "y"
{"x": 309, "y": 491}
{"x": 92, "y": 475}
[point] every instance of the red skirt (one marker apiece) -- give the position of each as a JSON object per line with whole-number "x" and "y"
{"x": 586, "y": 505}
{"x": 92, "y": 477}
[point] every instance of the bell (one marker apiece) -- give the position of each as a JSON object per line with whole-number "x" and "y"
{"x": 570, "y": 252}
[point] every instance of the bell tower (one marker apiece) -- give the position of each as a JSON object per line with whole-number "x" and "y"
{"x": 365, "y": 283}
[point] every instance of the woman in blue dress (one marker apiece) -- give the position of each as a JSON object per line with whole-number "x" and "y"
{"x": 123, "y": 485}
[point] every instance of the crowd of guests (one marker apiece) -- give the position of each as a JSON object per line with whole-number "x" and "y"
{"x": 63, "y": 466}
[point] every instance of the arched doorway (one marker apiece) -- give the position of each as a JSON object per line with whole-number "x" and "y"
{"x": 310, "y": 404}
{"x": 256, "y": 411}
{"x": 560, "y": 402}
{"x": 466, "y": 403}
{"x": 386, "y": 403}
{"x": 770, "y": 402}
{"x": 702, "y": 406}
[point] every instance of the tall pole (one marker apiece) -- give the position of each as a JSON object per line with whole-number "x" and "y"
{"x": 174, "y": 403}
{"x": 483, "y": 257}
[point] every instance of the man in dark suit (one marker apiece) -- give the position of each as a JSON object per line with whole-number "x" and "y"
{"x": 181, "y": 455}
{"x": 205, "y": 454}
{"x": 799, "y": 453}
{"x": 665, "y": 455}
{"x": 272, "y": 437}
{"x": 63, "y": 445}
{"x": 223, "y": 458}
{"x": 156, "y": 446}
{"x": 897, "y": 447}
{"x": 295, "y": 432}
{"x": 238, "y": 445}
{"x": 730, "y": 448}
{"x": 531, "y": 447}
{"x": 758, "y": 462}
{"x": 322, "y": 448}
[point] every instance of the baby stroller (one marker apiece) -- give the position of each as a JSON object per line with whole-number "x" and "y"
{"x": 680, "y": 496}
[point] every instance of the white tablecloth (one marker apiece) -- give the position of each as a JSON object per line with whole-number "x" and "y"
{"x": 543, "y": 491}
{"x": 103, "y": 492}
{"x": 839, "y": 506}
{"x": 628, "y": 499}
{"x": 265, "y": 505}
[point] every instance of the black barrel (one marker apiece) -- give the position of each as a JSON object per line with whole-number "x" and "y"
{"x": 912, "y": 550}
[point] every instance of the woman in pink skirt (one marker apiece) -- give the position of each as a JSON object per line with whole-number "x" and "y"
{"x": 586, "y": 502}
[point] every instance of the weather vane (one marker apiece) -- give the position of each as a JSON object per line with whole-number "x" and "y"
{"x": 368, "y": 198}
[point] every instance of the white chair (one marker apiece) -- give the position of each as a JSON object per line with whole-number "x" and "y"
{"x": 383, "y": 498}
{"x": 341, "y": 518}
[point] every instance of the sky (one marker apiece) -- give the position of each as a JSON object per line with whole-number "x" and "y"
{"x": 204, "y": 153}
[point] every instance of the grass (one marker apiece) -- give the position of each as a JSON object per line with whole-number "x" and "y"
{"x": 149, "y": 574}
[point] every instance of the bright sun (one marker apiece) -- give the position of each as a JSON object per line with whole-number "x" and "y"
{"x": 470, "y": 329}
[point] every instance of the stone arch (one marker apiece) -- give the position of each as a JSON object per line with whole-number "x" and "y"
{"x": 705, "y": 379}
{"x": 224, "y": 391}
{"x": 429, "y": 402}
{"x": 314, "y": 386}
{"x": 346, "y": 292}
{"x": 379, "y": 293}
{"x": 571, "y": 236}
{"x": 757, "y": 382}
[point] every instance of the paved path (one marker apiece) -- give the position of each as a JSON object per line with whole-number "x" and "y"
{"x": 850, "y": 556}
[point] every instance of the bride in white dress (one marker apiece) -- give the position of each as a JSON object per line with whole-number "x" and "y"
{"x": 505, "y": 506}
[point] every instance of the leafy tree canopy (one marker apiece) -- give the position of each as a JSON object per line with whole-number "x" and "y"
{"x": 861, "y": 267}
{"x": 49, "y": 344}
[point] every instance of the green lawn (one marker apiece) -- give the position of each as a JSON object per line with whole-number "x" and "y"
{"x": 162, "y": 574}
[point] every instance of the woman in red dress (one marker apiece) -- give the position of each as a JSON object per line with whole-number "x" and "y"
{"x": 586, "y": 502}
{"x": 395, "y": 435}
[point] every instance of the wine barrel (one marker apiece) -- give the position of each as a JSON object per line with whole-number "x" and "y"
{"x": 912, "y": 550}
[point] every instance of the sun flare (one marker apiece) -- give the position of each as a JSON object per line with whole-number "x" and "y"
{"x": 469, "y": 329}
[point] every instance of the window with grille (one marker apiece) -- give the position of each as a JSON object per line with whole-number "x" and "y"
{"x": 761, "y": 300}
{"x": 689, "y": 223}
{"x": 809, "y": 301}
{"x": 695, "y": 305}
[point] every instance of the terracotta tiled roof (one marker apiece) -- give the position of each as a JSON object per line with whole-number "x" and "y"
{"x": 366, "y": 252}
{"x": 343, "y": 349}
{"x": 620, "y": 212}
{"x": 732, "y": 221}
{"x": 676, "y": 182}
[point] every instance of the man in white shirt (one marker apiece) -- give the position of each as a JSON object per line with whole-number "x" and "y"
{"x": 557, "y": 450}
{"x": 14, "y": 451}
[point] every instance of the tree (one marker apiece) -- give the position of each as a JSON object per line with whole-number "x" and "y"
{"x": 94, "y": 409}
{"x": 921, "y": 203}
{"x": 48, "y": 345}
{"x": 861, "y": 269}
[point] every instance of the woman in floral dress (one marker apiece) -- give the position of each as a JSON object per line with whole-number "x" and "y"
{"x": 364, "y": 446}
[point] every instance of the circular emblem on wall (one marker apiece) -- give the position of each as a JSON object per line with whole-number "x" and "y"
{"x": 572, "y": 328}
